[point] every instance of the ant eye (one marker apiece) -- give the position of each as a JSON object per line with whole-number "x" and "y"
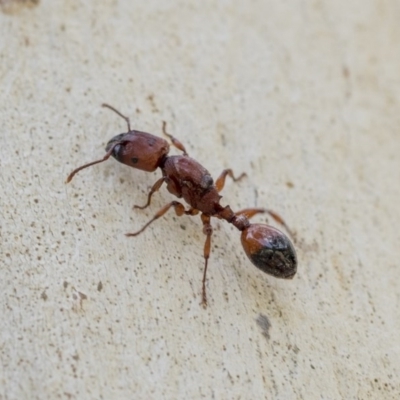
{"x": 270, "y": 250}
{"x": 114, "y": 140}
{"x": 116, "y": 151}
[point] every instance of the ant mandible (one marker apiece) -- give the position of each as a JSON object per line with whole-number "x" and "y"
{"x": 266, "y": 247}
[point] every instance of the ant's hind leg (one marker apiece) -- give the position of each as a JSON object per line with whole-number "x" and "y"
{"x": 179, "y": 210}
{"x": 154, "y": 189}
{"x": 250, "y": 212}
{"x": 220, "y": 182}
{"x": 207, "y": 230}
{"x": 174, "y": 141}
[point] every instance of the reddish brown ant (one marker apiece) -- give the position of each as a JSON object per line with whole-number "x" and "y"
{"x": 266, "y": 247}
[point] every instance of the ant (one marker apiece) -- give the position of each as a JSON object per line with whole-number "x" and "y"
{"x": 266, "y": 247}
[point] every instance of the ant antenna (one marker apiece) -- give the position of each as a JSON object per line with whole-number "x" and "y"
{"x": 117, "y": 112}
{"x": 105, "y": 158}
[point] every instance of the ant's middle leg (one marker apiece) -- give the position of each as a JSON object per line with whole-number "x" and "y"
{"x": 220, "y": 182}
{"x": 174, "y": 141}
{"x": 154, "y": 189}
{"x": 250, "y": 212}
{"x": 179, "y": 211}
{"x": 207, "y": 230}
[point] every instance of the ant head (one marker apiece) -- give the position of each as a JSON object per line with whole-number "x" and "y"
{"x": 270, "y": 250}
{"x": 139, "y": 150}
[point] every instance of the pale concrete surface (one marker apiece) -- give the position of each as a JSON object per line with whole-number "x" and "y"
{"x": 304, "y": 96}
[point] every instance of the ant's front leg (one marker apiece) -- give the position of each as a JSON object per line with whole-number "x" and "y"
{"x": 220, "y": 182}
{"x": 155, "y": 188}
{"x": 207, "y": 230}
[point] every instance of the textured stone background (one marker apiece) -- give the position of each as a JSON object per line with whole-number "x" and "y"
{"x": 304, "y": 96}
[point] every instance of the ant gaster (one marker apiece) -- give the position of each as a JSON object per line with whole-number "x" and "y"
{"x": 266, "y": 247}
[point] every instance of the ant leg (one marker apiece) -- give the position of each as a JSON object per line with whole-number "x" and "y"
{"x": 250, "y": 212}
{"x": 220, "y": 182}
{"x": 207, "y": 230}
{"x": 105, "y": 158}
{"x": 174, "y": 141}
{"x": 155, "y": 188}
{"x": 192, "y": 211}
{"x": 117, "y": 112}
{"x": 179, "y": 210}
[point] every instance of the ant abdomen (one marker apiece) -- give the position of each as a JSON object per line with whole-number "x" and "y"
{"x": 270, "y": 250}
